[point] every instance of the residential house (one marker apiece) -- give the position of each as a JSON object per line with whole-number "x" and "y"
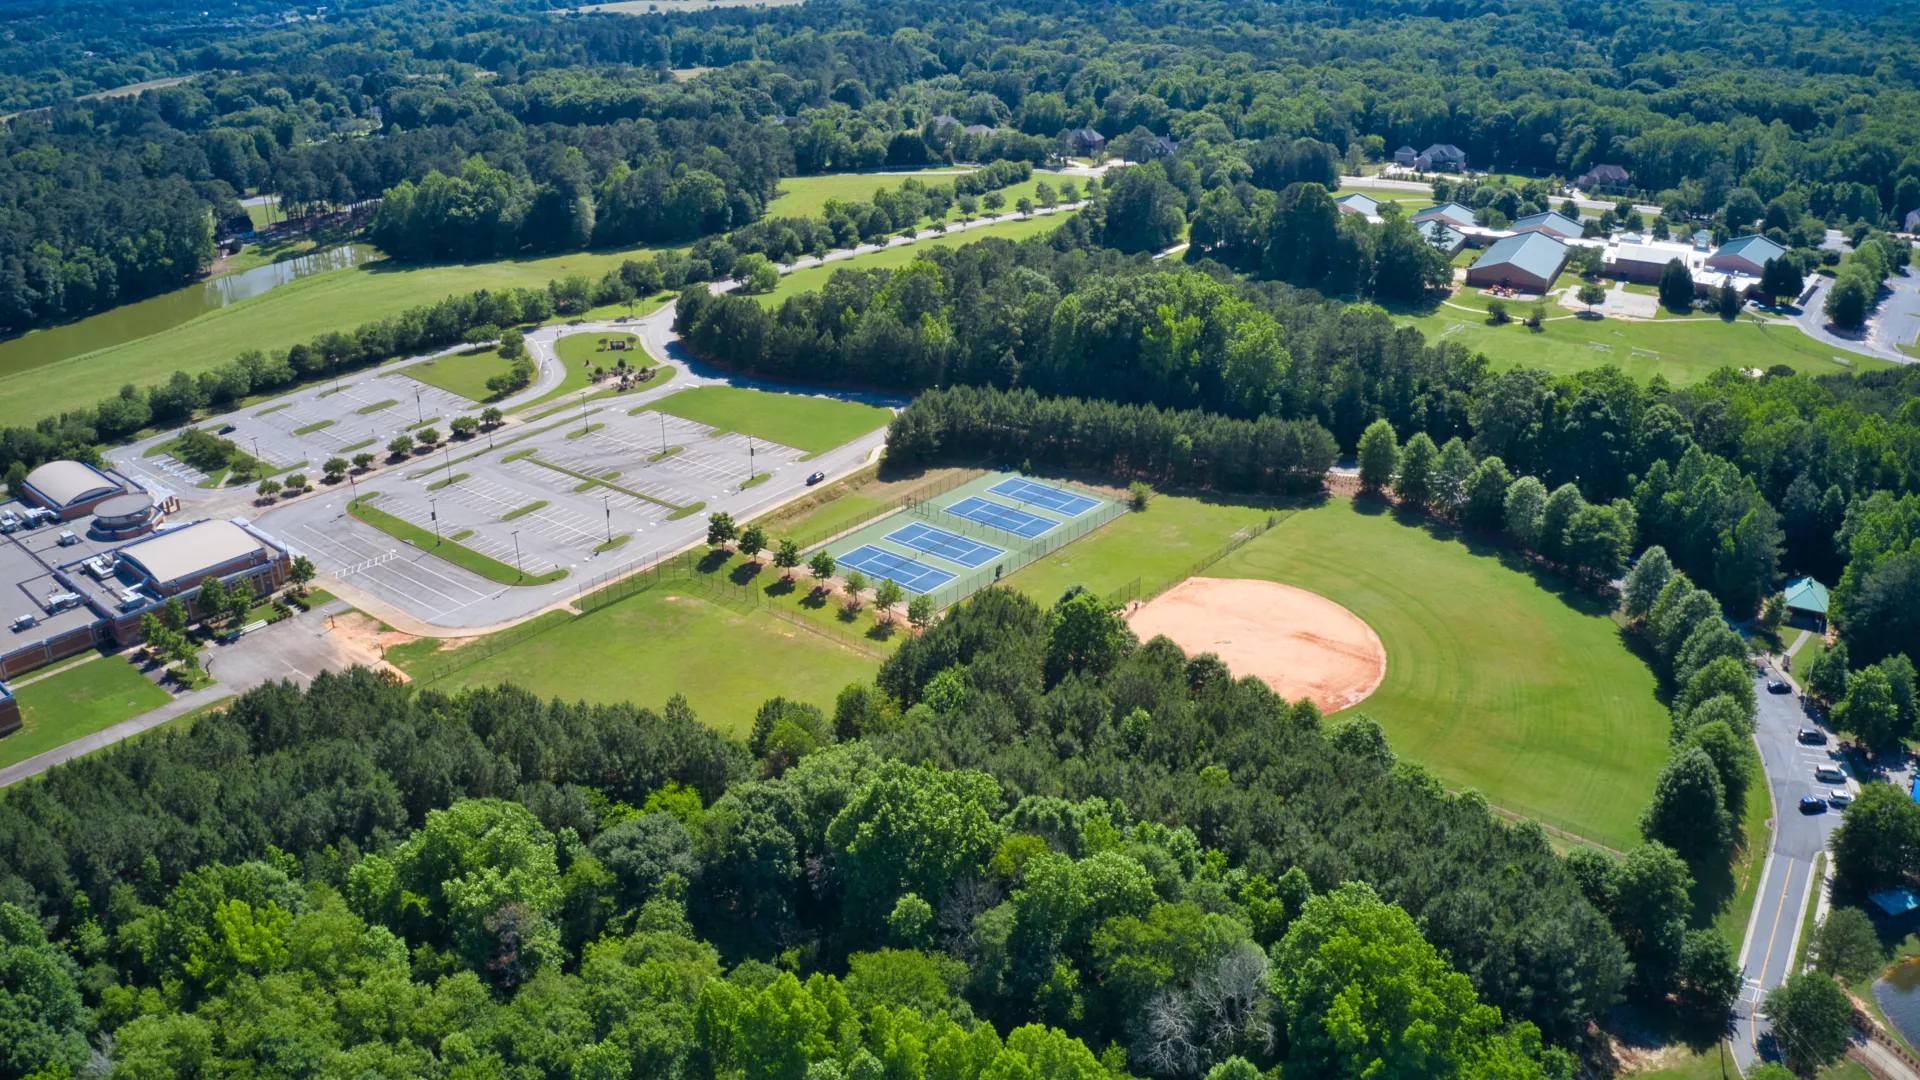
{"x": 1745, "y": 255}
{"x": 1085, "y": 141}
{"x": 1603, "y": 178}
{"x": 977, "y": 129}
{"x": 1441, "y": 157}
{"x": 1405, "y": 156}
{"x": 1551, "y": 223}
{"x": 1913, "y": 221}
{"x": 1528, "y": 261}
{"x": 1166, "y": 145}
{"x": 1452, "y": 213}
{"x": 1355, "y": 203}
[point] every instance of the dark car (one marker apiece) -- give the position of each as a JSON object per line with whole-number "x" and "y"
{"x": 1813, "y": 736}
{"x": 1813, "y": 804}
{"x": 1775, "y": 686}
{"x": 225, "y": 429}
{"x": 816, "y": 478}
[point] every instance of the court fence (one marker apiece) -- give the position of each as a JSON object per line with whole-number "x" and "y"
{"x": 1022, "y": 551}
{"x": 1136, "y": 590}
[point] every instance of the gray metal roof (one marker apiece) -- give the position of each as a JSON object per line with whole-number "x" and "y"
{"x": 1451, "y": 212}
{"x": 1755, "y": 249}
{"x": 64, "y": 483}
{"x": 1453, "y": 237}
{"x": 1553, "y": 222}
{"x": 188, "y": 552}
{"x": 1533, "y": 252}
{"x": 1365, "y": 204}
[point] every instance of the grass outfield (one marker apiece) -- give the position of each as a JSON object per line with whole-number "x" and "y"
{"x": 1690, "y": 349}
{"x": 813, "y": 277}
{"x": 463, "y": 373}
{"x": 663, "y": 642}
{"x": 79, "y": 701}
{"x": 813, "y": 424}
{"x": 293, "y": 313}
{"x": 1496, "y": 679}
{"x": 1157, "y": 546}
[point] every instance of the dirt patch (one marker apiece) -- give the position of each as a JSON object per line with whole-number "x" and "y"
{"x": 1300, "y": 643}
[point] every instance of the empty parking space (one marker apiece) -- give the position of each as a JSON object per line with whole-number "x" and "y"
{"x": 915, "y": 577}
{"x": 952, "y": 547}
{"x": 1000, "y": 516}
{"x": 425, "y": 585}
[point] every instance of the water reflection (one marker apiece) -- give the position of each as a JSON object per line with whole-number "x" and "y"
{"x": 130, "y": 322}
{"x": 1898, "y": 995}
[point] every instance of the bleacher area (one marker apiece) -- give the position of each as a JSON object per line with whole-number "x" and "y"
{"x": 956, "y": 543}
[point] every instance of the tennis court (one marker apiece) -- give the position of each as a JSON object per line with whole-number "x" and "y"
{"x": 1005, "y": 518}
{"x": 1044, "y": 496}
{"x": 952, "y": 547}
{"x": 878, "y": 563}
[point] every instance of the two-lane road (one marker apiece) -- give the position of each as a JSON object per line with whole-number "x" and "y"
{"x": 1788, "y": 884}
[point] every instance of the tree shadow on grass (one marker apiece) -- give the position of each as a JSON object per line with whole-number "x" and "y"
{"x": 847, "y": 614}
{"x": 1650, "y": 1025}
{"x": 1713, "y": 883}
{"x": 712, "y": 561}
{"x": 780, "y": 586}
{"x": 815, "y": 599}
{"x": 744, "y": 573}
{"x": 881, "y": 632}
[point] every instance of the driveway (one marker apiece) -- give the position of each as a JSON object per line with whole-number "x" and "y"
{"x": 1893, "y": 322}
{"x": 298, "y": 649}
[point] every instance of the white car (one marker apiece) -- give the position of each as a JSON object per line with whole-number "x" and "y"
{"x": 1828, "y": 774}
{"x": 1839, "y": 797}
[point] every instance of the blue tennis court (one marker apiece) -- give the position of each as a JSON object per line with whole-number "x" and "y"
{"x": 880, "y": 563}
{"x": 1005, "y": 518}
{"x": 1044, "y": 496}
{"x": 950, "y": 546}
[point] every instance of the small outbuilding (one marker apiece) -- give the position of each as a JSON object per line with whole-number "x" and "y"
{"x": 1405, "y": 156}
{"x": 1529, "y": 262}
{"x": 1807, "y": 598}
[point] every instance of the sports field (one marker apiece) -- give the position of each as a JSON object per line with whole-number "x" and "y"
{"x": 813, "y": 277}
{"x": 661, "y": 642}
{"x": 78, "y": 701}
{"x": 1496, "y": 679}
{"x": 293, "y": 313}
{"x": 807, "y": 196}
{"x": 1689, "y": 349}
{"x": 813, "y": 424}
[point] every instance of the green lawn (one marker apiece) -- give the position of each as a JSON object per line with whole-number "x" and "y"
{"x": 292, "y": 313}
{"x": 1496, "y": 679}
{"x": 80, "y": 701}
{"x": 575, "y": 348}
{"x": 813, "y": 277}
{"x": 662, "y": 642}
{"x": 1690, "y": 349}
{"x": 1157, "y": 546}
{"x": 806, "y": 196}
{"x": 463, "y": 373}
{"x": 465, "y": 557}
{"x": 813, "y": 424}
{"x": 1729, "y": 903}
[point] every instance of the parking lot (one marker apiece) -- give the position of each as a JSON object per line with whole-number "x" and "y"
{"x": 562, "y": 495}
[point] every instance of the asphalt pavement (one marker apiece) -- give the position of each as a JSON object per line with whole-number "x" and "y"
{"x": 1894, "y": 321}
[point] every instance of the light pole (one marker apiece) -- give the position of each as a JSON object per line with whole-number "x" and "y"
{"x": 583, "y": 411}
{"x": 449, "y": 464}
{"x": 749, "y": 457}
{"x": 606, "y": 503}
{"x": 663, "y": 432}
{"x": 419, "y": 411}
{"x": 433, "y": 511}
{"x": 517, "y": 565}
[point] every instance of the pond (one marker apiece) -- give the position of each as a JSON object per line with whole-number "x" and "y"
{"x": 129, "y": 322}
{"x": 1898, "y": 995}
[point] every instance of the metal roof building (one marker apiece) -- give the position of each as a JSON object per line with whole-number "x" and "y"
{"x": 1807, "y": 596}
{"x": 70, "y": 488}
{"x": 179, "y": 558}
{"x": 1450, "y": 239}
{"x": 1452, "y": 213}
{"x": 1356, "y": 203}
{"x": 1745, "y": 254}
{"x": 1529, "y": 261}
{"x": 1552, "y": 223}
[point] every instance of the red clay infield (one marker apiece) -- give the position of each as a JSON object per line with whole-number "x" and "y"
{"x": 1300, "y": 643}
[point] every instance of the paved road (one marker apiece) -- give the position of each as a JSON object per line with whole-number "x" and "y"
{"x": 1893, "y": 322}
{"x": 298, "y": 648}
{"x": 1415, "y": 185}
{"x": 1787, "y": 884}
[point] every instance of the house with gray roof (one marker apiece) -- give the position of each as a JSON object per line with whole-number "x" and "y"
{"x": 1405, "y": 156}
{"x": 1452, "y": 213}
{"x": 1744, "y": 255}
{"x": 1441, "y": 157}
{"x": 1449, "y": 240}
{"x": 1085, "y": 141}
{"x": 1354, "y": 202}
{"x": 1553, "y": 224}
{"x": 1913, "y": 221}
{"x": 1603, "y": 178}
{"x": 1528, "y": 261}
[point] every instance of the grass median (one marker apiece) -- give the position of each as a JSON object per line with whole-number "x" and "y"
{"x": 459, "y": 555}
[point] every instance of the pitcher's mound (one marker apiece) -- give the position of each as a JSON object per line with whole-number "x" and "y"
{"x": 1300, "y": 643}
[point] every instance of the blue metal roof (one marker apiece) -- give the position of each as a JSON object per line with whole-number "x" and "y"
{"x": 1452, "y": 212}
{"x": 1755, "y": 249}
{"x": 1806, "y": 594}
{"x": 1558, "y": 224}
{"x": 1535, "y": 253}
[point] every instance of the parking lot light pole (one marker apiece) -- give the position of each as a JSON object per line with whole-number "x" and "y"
{"x": 516, "y": 554}
{"x": 419, "y": 410}
{"x": 583, "y": 411}
{"x": 663, "y": 432}
{"x": 606, "y": 502}
{"x": 434, "y": 512}
{"x": 449, "y": 463}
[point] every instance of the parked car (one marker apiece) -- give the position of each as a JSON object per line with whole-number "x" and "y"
{"x": 1775, "y": 686}
{"x": 225, "y": 429}
{"x": 1813, "y": 804}
{"x": 1839, "y": 798}
{"x": 1813, "y": 736}
{"x": 816, "y": 478}
{"x": 1829, "y": 774}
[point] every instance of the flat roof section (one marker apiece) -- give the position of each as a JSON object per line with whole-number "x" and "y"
{"x": 24, "y": 583}
{"x": 188, "y": 552}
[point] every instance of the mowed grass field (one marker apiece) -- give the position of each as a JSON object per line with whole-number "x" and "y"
{"x": 663, "y": 642}
{"x": 288, "y": 315}
{"x": 1157, "y": 546}
{"x": 463, "y": 373}
{"x": 78, "y": 701}
{"x": 1690, "y": 349}
{"x": 813, "y": 277}
{"x": 813, "y": 424}
{"x": 1496, "y": 679}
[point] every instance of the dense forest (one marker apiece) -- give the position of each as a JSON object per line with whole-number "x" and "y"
{"x": 1720, "y": 111}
